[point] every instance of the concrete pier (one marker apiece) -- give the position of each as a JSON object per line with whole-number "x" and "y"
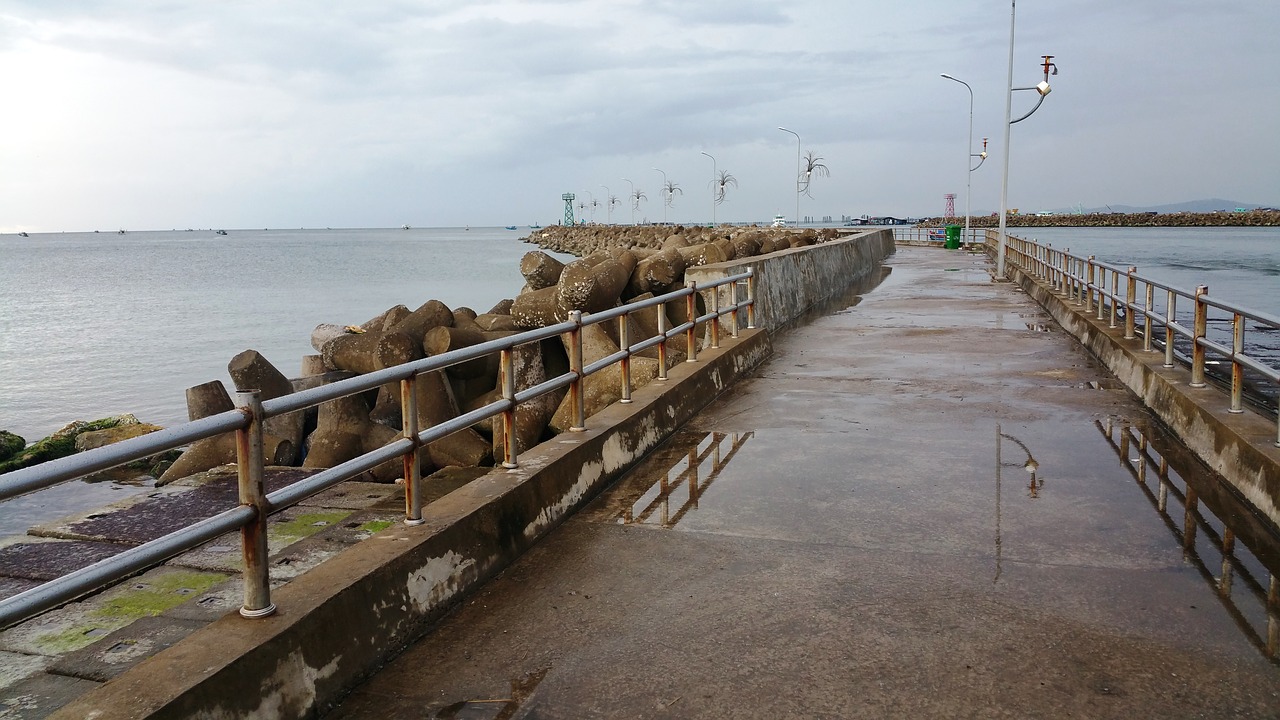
{"x": 931, "y": 502}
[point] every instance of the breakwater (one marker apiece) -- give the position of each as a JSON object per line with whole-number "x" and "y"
{"x": 1251, "y": 218}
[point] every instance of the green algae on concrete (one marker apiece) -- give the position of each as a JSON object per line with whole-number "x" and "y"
{"x": 376, "y": 526}
{"x": 303, "y": 526}
{"x": 81, "y": 624}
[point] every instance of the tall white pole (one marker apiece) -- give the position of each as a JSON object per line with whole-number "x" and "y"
{"x": 713, "y": 187}
{"x": 666, "y": 196}
{"x": 632, "y": 199}
{"x": 968, "y": 158}
{"x": 793, "y": 132}
{"x": 1004, "y": 178}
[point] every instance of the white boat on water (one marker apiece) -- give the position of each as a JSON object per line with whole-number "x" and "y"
{"x": 779, "y": 220}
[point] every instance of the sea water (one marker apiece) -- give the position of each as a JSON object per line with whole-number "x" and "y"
{"x": 97, "y": 324}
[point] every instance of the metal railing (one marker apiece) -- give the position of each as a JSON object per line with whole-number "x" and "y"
{"x": 246, "y": 420}
{"x": 936, "y": 235}
{"x": 1119, "y": 295}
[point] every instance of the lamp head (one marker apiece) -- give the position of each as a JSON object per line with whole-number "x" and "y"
{"x": 983, "y": 155}
{"x": 1043, "y": 88}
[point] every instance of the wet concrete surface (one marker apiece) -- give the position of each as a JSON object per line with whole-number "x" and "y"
{"x": 857, "y": 531}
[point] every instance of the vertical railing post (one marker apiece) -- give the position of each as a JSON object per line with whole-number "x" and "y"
{"x": 1146, "y": 317}
{"x": 577, "y": 390}
{"x": 1115, "y": 299}
{"x": 691, "y": 334}
{"x": 1102, "y": 293}
{"x": 1130, "y": 299}
{"x": 1088, "y": 286}
{"x": 1170, "y": 317}
{"x": 662, "y": 344}
{"x": 751, "y": 298}
{"x": 1273, "y": 616}
{"x": 1200, "y": 329}
{"x": 506, "y": 373}
{"x": 715, "y": 318}
{"x": 1237, "y": 368}
{"x": 412, "y": 460}
{"x": 624, "y": 342}
{"x": 253, "y": 536}
{"x": 733, "y": 300}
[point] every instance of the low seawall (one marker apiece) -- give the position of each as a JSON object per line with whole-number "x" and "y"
{"x": 789, "y": 282}
{"x": 1239, "y": 447}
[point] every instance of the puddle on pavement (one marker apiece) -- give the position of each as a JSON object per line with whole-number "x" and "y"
{"x": 1234, "y": 550}
{"x": 679, "y": 474}
{"x": 495, "y": 708}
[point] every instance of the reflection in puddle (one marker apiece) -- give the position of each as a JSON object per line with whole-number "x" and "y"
{"x": 1034, "y": 486}
{"x": 1235, "y": 551}
{"x": 696, "y": 460}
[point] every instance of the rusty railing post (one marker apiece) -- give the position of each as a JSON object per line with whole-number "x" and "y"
{"x": 577, "y": 391}
{"x": 412, "y": 459}
{"x": 715, "y": 318}
{"x": 1237, "y": 369}
{"x": 624, "y": 341}
{"x": 662, "y": 344}
{"x": 1088, "y": 286}
{"x": 1170, "y": 317}
{"x": 733, "y": 300}
{"x": 691, "y": 312}
{"x": 253, "y": 536}
{"x": 1146, "y": 317}
{"x": 1130, "y": 299}
{"x": 507, "y": 375}
{"x": 1198, "y": 333}
{"x": 751, "y": 298}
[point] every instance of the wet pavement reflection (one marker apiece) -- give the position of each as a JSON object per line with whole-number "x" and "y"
{"x": 1233, "y": 550}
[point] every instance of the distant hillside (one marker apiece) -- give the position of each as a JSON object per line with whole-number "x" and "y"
{"x": 1193, "y": 206}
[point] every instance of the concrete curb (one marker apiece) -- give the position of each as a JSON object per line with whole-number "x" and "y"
{"x": 343, "y": 619}
{"x": 1239, "y": 447}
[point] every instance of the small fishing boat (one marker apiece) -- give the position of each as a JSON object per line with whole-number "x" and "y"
{"x": 779, "y": 220}
{"x": 510, "y": 227}
{"x": 535, "y": 227}
{"x": 23, "y": 234}
{"x": 222, "y": 232}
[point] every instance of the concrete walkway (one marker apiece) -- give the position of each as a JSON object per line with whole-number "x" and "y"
{"x": 856, "y": 532}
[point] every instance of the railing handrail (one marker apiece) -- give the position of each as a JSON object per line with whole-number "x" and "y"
{"x": 246, "y": 420}
{"x": 1083, "y": 279}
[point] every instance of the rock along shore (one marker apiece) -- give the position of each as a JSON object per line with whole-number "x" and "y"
{"x": 1252, "y": 218}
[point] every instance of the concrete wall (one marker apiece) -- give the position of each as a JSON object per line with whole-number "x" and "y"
{"x": 792, "y": 281}
{"x": 1240, "y": 447}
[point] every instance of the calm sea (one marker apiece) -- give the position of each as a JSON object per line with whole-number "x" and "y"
{"x": 94, "y": 324}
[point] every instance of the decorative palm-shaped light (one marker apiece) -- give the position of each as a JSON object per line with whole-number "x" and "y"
{"x": 723, "y": 181}
{"x": 812, "y": 165}
{"x": 669, "y": 191}
{"x": 636, "y": 196}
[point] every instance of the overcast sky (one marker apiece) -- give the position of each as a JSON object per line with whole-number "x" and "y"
{"x": 159, "y": 114}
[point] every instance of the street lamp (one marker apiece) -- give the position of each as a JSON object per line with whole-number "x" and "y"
{"x": 713, "y": 187}
{"x": 591, "y": 205}
{"x": 666, "y": 197}
{"x": 633, "y": 203}
{"x": 793, "y": 132}
{"x": 1043, "y": 89}
{"x": 608, "y": 202}
{"x": 968, "y": 191}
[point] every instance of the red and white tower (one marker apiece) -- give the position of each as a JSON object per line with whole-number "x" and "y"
{"x": 951, "y": 205}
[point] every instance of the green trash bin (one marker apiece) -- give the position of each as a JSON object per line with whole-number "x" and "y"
{"x": 953, "y": 237}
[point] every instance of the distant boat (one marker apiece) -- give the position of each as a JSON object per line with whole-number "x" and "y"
{"x": 511, "y": 227}
{"x": 222, "y": 232}
{"x": 120, "y": 231}
{"x": 779, "y": 220}
{"x": 24, "y": 234}
{"x": 535, "y": 227}
{"x": 406, "y": 227}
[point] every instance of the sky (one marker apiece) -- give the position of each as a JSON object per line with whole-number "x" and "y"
{"x": 165, "y": 114}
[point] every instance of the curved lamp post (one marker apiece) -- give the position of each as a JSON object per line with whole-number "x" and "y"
{"x": 634, "y": 203}
{"x": 592, "y": 205}
{"x": 968, "y": 189}
{"x": 666, "y": 195}
{"x": 608, "y": 202}
{"x": 1043, "y": 89}
{"x": 793, "y": 132}
{"x": 713, "y": 187}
